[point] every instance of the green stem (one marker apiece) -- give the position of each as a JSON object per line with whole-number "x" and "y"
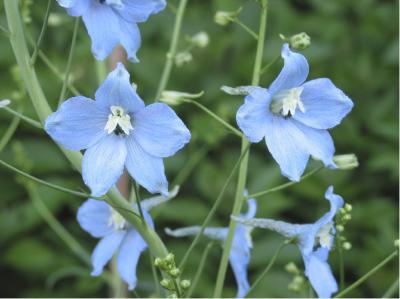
{"x": 367, "y": 275}
{"x": 284, "y": 186}
{"x": 42, "y": 32}
{"x": 137, "y": 196}
{"x": 265, "y": 68}
{"x": 9, "y": 132}
{"x": 243, "y": 167}
{"x": 200, "y": 268}
{"x": 47, "y": 184}
{"x": 216, "y": 117}
{"x": 341, "y": 262}
{"x": 27, "y": 119}
{"x": 245, "y": 27}
{"x": 392, "y": 289}
{"x": 213, "y": 209}
{"x": 155, "y": 277}
{"x": 4, "y": 30}
{"x": 269, "y": 266}
{"x": 172, "y": 50}
{"x": 69, "y": 62}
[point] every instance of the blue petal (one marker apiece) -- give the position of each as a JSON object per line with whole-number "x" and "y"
{"x": 320, "y": 276}
{"x": 253, "y": 114}
{"x": 75, "y": 7}
{"x": 146, "y": 169}
{"x": 239, "y": 259}
{"x": 105, "y": 250}
{"x": 159, "y": 130}
{"x": 106, "y": 35}
{"x": 78, "y": 123}
{"x": 325, "y": 105}
{"x": 129, "y": 253}
{"x": 252, "y": 209}
{"x": 291, "y": 143}
{"x": 294, "y": 72}
{"x": 103, "y": 164}
{"x": 137, "y": 11}
{"x": 93, "y": 216}
{"x": 116, "y": 90}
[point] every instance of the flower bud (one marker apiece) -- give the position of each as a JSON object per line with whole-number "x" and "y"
{"x": 185, "y": 284}
{"x": 396, "y": 243}
{"x": 348, "y": 207}
{"x": 300, "y": 41}
{"x": 292, "y": 268}
{"x": 167, "y": 284}
{"x": 158, "y": 262}
{"x": 347, "y": 217}
{"x": 346, "y": 162}
{"x": 183, "y": 58}
{"x": 346, "y": 245}
{"x": 200, "y": 39}
{"x": 223, "y": 18}
{"x": 173, "y": 295}
{"x": 173, "y": 98}
{"x": 170, "y": 258}
{"x": 339, "y": 228}
{"x": 4, "y": 103}
{"x": 175, "y": 272}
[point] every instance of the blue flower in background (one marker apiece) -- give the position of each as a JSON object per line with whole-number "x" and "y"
{"x": 314, "y": 240}
{"x": 117, "y": 130}
{"x": 113, "y": 22}
{"x": 117, "y": 236}
{"x": 294, "y": 116}
{"x": 239, "y": 257}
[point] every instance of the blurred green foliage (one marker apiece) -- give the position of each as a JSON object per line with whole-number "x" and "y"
{"x": 355, "y": 43}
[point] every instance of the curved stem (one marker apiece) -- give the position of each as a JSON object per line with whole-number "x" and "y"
{"x": 9, "y": 132}
{"x": 265, "y": 68}
{"x": 172, "y": 50}
{"x": 245, "y": 27}
{"x": 367, "y": 275}
{"x": 27, "y": 119}
{"x": 285, "y": 185}
{"x": 243, "y": 167}
{"x": 42, "y": 32}
{"x": 392, "y": 289}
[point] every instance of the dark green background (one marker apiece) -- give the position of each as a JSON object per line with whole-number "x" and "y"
{"x": 355, "y": 43}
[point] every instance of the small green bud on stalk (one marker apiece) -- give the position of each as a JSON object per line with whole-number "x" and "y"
{"x": 346, "y": 245}
{"x": 173, "y": 295}
{"x": 223, "y": 18}
{"x": 4, "y": 103}
{"x": 170, "y": 258}
{"x": 348, "y": 207}
{"x": 167, "y": 284}
{"x": 200, "y": 39}
{"x": 183, "y": 58}
{"x": 346, "y": 162}
{"x": 175, "y": 272}
{"x": 174, "y": 98}
{"x": 292, "y": 268}
{"x": 158, "y": 262}
{"x": 347, "y": 217}
{"x": 300, "y": 41}
{"x": 339, "y": 228}
{"x": 185, "y": 284}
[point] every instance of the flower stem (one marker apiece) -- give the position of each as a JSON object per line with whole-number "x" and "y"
{"x": 265, "y": 68}
{"x": 367, "y": 275}
{"x": 284, "y": 186}
{"x": 9, "y": 132}
{"x": 245, "y": 27}
{"x": 172, "y": 50}
{"x": 243, "y": 167}
{"x": 392, "y": 289}
{"x": 27, "y": 119}
{"x": 341, "y": 262}
{"x": 42, "y": 32}
{"x": 216, "y": 117}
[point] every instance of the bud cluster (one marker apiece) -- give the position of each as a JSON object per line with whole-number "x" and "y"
{"x": 300, "y": 41}
{"x": 298, "y": 282}
{"x": 199, "y": 40}
{"x": 342, "y": 218}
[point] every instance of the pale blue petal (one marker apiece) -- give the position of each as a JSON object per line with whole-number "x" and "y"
{"x": 239, "y": 259}
{"x": 103, "y": 164}
{"x": 291, "y": 143}
{"x": 75, "y": 7}
{"x": 107, "y": 29}
{"x": 146, "y": 169}
{"x": 320, "y": 276}
{"x": 78, "y": 123}
{"x": 116, "y": 90}
{"x": 137, "y": 11}
{"x": 105, "y": 250}
{"x": 159, "y": 130}
{"x": 251, "y": 210}
{"x": 325, "y": 105}
{"x": 94, "y": 216}
{"x": 129, "y": 253}
{"x": 253, "y": 114}
{"x": 294, "y": 72}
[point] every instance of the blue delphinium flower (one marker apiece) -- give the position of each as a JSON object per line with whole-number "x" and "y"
{"x": 294, "y": 116}
{"x": 314, "y": 240}
{"x": 113, "y": 22}
{"x": 239, "y": 256}
{"x": 117, "y": 236}
{"x": 117, "y": 130}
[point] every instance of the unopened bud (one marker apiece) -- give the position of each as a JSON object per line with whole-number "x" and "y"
{"x": 339, "y": 228}
{"x": 183, "y": 58}
{"x": 173, "y": 98}
{"x": 346, "y": 162}
{"x": 348, "y": 207}
{"x": 223, "y": 18}
{"x": 292, "y": 268}
{"x": 173, "y": 295}
{"x": 170, "y": 258}
{"x": 346, "y": 245}
{"x": 167, "y": 284}
{"x": 298, "y": 41}
{"x": 4, "y": 103}
{"x": 175, "y": 272}
{"x": 396, "y": 243}
{"x": 347, "y": 217}
{"x": 200, "y": 39}
{"x": 185, "y": 284}
{"x": 158, "y": 262}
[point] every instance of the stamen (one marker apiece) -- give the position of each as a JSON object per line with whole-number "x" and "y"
{"x": 118, "y": 122}
{"x": 324, "y": 235}
{"x": 286, "y": 102}
{"x": 116, "y": 220}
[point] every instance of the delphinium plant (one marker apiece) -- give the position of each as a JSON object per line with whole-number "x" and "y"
{"x": 111, "y": 134}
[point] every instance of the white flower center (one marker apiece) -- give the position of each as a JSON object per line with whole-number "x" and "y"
{"x": 115, "y": 3}
{"x": 116, "y": 220}
{"x": 324, "y": 235}
{"x": 286, "y": 102}
{"x": 118, "y": 121}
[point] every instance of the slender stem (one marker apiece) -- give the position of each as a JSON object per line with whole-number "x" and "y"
{"x": 265, "y": 68}
{"x": 137, "y": 196}
{"x": 392, "y": 289}
{"x": 155, "y": 277}
{"x": 4, "y": 30}
{"x": 243, "y": 167}
{"x": 284, "y": 186}
{"x": 341, "y": 262}
{"x": 245, "y": 27}
{"x": 269, "y": 266}
{"x": 50, "y": 185}
{"x": 9, "y": 132}
{"x": 27, "y": 119}
{"x": 42, "y": 32}
{"x": 367, "y": 275}
{"x": 172, "y": 50}
{"x": 200, "y": 268}
{"x": 69, "y": 62}
{"x": 216, "y": 117}
{"x": 213, "y": 209}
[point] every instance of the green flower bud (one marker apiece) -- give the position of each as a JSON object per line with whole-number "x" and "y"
{"x": 175, "y": 272}
{"x": 292, "y": 268}
{"x": 183, "y": 58}
{"x": 298, "y": 41}
{"x": 347, "y": 217}
{"x": 173, "y": 295}
{"x": 200, "y": 39}
{"x": 158, "y": 262}
{"x": 396, "y": 243}
{"x": 348, "y": 207}
{"x": 339, "y": 228}
{"x": 170, "y": 258}
{"x": 185, "y": 284}
{"x": 346, "y": 245}
{"x": 167, "y": 284}
{"x": 346, "y": 162}
{"x": 174, "y": 98}
{"x": 4, "y": 103}
{"x": 223, "y": 18}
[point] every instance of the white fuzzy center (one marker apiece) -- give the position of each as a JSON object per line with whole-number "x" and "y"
{"x": 116, "y": 220}
{"x": 324, "y": 235}
{"x": 286, "y": 102}
{"x": 118, "y": 121}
